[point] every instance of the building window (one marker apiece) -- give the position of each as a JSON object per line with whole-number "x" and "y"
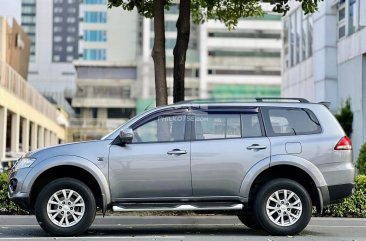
{"x": 57, "y": 39}
{"x": 69, "y": 49}
{"x": 310, "y": 36}
{"x": 95, "y": 17}
{"x": 104, "y": 2}
{"x": 341, "y": 19}
{"x": 57, "y": 29}
{"x": 71, "y": 29}
{"x": 94, "y": 54}
{"x": 95, "y": 36}
{"x": 56, "y": 58}
{"x": 71, "y": 20}
{"x": 352, "y": 16}
{"x": 57, "y": 9}
{"x": 69, "y": 58}
{"x": 298, "y": 35}
{"x": 57, "y": 19}
{"x": 70, "y": 39}
{"x": 58, "y": 48}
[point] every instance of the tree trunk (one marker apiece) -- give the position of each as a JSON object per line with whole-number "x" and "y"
{"x": 158, "y": 54}
{"x": 180, "y": 49}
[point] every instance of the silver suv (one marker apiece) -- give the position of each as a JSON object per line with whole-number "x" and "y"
{"x": 268, "y": 162}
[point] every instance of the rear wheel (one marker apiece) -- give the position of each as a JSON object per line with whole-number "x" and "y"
{"x": 65, "y": 207}
{"x": 283, "y": 207}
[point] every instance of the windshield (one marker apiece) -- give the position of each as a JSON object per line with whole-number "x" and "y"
{"x": 114, "y": 133}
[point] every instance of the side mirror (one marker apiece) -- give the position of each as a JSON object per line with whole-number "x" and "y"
{"x": 126, "y": 136}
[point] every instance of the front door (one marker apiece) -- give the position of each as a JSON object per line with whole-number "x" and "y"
{"x": 224, "y": 147}
{"x": 157, "y": 162}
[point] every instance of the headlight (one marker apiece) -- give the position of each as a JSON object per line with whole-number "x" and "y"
{"x": 24, "y": 162}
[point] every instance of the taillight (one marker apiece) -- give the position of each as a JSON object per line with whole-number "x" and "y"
{"x": 344, "y": 144}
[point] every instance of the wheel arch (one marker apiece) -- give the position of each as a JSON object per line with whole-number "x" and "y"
{"x": 294, "y": 168}
{"x": 68, "y": 166}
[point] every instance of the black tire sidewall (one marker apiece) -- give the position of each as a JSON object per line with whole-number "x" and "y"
{"x": 261, "y": 200}
{"x": 49, "y": 190}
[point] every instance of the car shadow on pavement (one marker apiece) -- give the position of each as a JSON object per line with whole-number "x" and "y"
{"x": 181, "y": 231}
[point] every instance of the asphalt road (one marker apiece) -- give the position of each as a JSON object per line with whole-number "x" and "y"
{"x": 186, "y": 228}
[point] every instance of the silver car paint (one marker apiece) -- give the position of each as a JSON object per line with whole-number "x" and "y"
{"x": 145, "y": 170}
{"x": 219, "y": 166}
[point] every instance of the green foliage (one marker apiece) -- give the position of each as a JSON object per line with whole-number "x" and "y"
{"x": 6, "y": 206}
{"x": 229, "y": 11}
{"x": 361, "y": 160}
{"x": 345, "y": 117}
{"x": 354, "y": 206}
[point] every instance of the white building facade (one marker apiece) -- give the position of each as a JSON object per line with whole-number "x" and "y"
{"x": 324, "y": 58}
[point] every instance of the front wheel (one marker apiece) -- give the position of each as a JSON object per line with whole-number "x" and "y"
{"x": 65, "y": 207}
{"x": 283, "y": 207}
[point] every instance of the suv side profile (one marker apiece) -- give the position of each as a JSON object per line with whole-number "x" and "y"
{"x": 268, "y": 162}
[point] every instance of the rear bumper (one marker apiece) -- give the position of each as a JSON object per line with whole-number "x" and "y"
{"x": 338, "y": 192}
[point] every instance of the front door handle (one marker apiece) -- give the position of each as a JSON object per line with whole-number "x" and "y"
{"x": 176, "y": 152}
{"x": 256, "y": 147}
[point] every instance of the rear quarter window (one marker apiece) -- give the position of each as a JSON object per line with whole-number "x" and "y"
{"x": 290, "y": 121}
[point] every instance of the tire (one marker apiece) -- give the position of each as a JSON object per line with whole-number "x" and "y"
{"x": 299, "y": 205}
{"x": 250, "y": 220}
{"x": 79, "y": 215}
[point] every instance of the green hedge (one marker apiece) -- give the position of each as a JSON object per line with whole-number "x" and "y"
{"x": 6, "y": 206}
{"x": 354, "y": 206}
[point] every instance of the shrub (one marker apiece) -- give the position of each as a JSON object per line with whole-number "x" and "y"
{"x": 345, "y": 117}
{"x": 353, "y": 206}
{"x": 361, "y": 160}
{"x": 6, "y": 206}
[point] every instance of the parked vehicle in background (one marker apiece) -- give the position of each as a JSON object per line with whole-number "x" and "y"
{"x": 268, "y": 161}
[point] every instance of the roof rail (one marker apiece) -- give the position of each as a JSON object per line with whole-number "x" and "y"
{"x": 256, "y": 99}
{"x": 301, "y": 100}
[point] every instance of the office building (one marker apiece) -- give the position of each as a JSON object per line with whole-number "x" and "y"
{"x": 27, "y": 120}
{"x": 106, "y": 70}
{"x": 324, "y": 58}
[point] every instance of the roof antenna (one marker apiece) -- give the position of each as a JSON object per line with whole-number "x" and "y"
{"x": 147, "y": 107}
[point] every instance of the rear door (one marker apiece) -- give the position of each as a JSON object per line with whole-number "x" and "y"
{"x": 225, "y": 145}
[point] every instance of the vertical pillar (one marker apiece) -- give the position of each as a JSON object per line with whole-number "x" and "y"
{"x": 25, "y": 135}
{"x": 40, "y": 137}
{"x": 3, "y": 123}
{"x": 34, "y": 136}
{"x": 45, "y": 137}
{"x": 15, "y": 128}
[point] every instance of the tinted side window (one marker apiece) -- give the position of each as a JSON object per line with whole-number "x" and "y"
{"x": 217, "y": 126}
{"x": 161, "y": 129}
{"x": 292, "y": 121}
{"x": 251, "y": 125}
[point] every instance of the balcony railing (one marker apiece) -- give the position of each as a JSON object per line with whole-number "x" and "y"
{"x": 96, "y": 123}
{"x": 17, "y": 85}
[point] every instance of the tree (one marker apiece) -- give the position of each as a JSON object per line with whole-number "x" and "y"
{"x": 227, "y": 11}
{"x": 345, "y": 117}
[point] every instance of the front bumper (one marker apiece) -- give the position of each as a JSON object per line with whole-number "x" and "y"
{"x": 15, "y": 192}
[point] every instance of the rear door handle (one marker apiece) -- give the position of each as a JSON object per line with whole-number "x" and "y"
{"x": 176, "y": 152}
{"x": 256, "y": 147}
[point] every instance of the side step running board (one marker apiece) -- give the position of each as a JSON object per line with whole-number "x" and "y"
{"x": 184, "y": 207}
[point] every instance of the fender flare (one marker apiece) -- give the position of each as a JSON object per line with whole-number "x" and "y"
{"x": 277, "y": 160}
{"x": 69, "y": 160}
